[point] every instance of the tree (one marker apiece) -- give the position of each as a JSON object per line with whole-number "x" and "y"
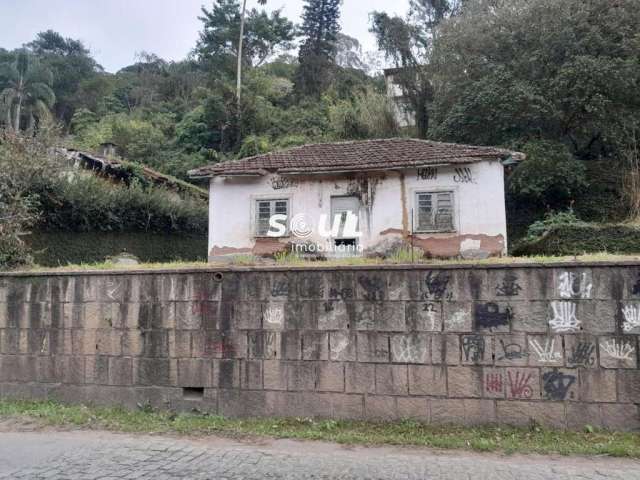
{"x": 70, "y": 64}
{"x": 317, "y": 53}
{"x": 408, "y": 43}
{"x": 52, "y": 43}
{"x": 561, "y": 70}
{"x": 349, "y": 52}
{"x": 218, "y": 45}
{"x": 28, "y": 91}
{"x": 240, "y": 45}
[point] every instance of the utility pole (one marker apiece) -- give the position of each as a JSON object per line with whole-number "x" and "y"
{"x": 240, "y": 44}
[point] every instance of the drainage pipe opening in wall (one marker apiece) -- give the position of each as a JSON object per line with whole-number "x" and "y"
{"x": 218, "y": 276}
{"x": 193, "y": 393}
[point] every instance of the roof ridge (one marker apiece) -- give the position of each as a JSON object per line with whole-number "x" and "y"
{"x": 392, "y": 152}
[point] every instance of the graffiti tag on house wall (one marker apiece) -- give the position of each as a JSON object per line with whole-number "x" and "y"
{"x": 463, "y": 175}
{"x": 280, "y": 183}
{"x": 428, "y": 173}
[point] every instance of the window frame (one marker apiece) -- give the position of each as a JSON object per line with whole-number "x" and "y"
{"x": 255, "y": 206}
{"x": 435, "y": 192}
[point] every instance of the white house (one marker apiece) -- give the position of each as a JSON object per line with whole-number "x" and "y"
{"x": 352, "y": 197}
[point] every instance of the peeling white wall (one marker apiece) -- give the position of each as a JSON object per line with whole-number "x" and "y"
{"x": 479, "y": 202}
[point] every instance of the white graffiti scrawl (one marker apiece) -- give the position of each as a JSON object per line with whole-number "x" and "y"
{"x": 618, "y": 350}
{"x": 547, "y": 352}
{"x": 564, "y": 317}
{"x": 571, "y": 285}
{"x": 406, "y": 351}
{"x": 274, "y": 316}
{"x": 631, "y": 315}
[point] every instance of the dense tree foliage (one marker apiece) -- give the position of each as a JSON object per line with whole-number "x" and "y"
{"x": 318, "y": 50}
{"x": 557, "y": 79}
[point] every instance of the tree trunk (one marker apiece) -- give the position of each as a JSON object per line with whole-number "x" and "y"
{"x": 9, "y": 117}
{"x": 16, "y": 121}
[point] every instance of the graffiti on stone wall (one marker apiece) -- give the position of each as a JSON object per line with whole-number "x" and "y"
{"x": 564, "y": 317}
{"x": 556, "y": 384}
{"x": 405, "y": 350}
{"x": 458, "y": 320}
{"x": 546, "y": 352}
{"x": 280, "y": 288}
{"x": 473, "y": 347}
{"x": 509, "y": 286}
{"x": 493, "y": 383}
{"x": 373, "y": 288}
{"x": 489, "y": 315}
{"x": 519, "y": 384}
{"x": 428, "y": 173}
{"x": 431, "y": 314}
{"x": 113, "y": 289}
{"x": 311, "y": 287}
{"x": 631, "y": 314}
{"x": 635, "y": 290}
{"x": 436, "y": 285}
{"x": 618, "y": 349}
{"x": 341, "y": 293}
{"x": 273, "y": 316}
{"x": 571, "y": 285}
{"x": 220, "y": 347}
{"x": 339, "y": 348}
{"x": 511, "y": 351}
{"x": 583, "y": 354}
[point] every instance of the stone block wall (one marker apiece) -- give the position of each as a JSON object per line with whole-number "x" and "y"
{"x": 553, "y": 344}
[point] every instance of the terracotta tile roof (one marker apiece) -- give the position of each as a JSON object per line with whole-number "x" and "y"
{"x": 356, "y": 156}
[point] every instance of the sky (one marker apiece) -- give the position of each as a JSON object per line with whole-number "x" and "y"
{"x": 114, "y": 30}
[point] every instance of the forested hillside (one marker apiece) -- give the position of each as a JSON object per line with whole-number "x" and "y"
{"x": 557, "y": 79}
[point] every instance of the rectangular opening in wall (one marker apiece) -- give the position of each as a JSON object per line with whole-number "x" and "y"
{"x": 193, "y": 393}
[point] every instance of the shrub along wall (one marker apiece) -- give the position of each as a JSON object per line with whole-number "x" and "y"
{"x": 580, "y": 238}
{"x": 554, "y": 344}
{"x": 52, "y": 249}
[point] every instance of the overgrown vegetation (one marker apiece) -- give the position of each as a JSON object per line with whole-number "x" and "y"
{"x": 23, "y": 163}
{"x": 534, "y": 439}
{"x": 557, "y": 79}
{"x": 564, "y": 234}
{"x": 38, "y": 193}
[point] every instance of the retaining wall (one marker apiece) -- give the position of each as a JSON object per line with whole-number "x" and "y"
{"x": 555, "y": 344}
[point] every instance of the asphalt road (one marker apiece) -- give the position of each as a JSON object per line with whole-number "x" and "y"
{"x": 79, "y": 455}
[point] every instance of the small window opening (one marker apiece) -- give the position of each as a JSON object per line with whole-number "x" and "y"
{"x": 347, "y": 242}
{"x": 193, "y": 393}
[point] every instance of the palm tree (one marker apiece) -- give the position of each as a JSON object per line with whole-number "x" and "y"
{"x": 28, "y": 90}
{"x": 240, "y": 42}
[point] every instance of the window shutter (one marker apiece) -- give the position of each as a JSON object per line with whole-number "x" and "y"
{"x": 444, "y": 212}
{"x": 435, "y": 212}
{"x": 425, "y": 211}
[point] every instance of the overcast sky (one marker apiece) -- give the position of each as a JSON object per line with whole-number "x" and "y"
{"x": 115, "y": 30}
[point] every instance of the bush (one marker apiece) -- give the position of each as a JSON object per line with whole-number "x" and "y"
{"x": 90, "y": 204}
{"x": 550, "y": 175}
{"x": 564, "y": 234}
{"x": 52, "y": 249}
{"x": 23, "y": 161}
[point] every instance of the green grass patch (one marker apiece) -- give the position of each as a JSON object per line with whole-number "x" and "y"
{"x": 534, "y": 439}
{"x": 293, "y": 261}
